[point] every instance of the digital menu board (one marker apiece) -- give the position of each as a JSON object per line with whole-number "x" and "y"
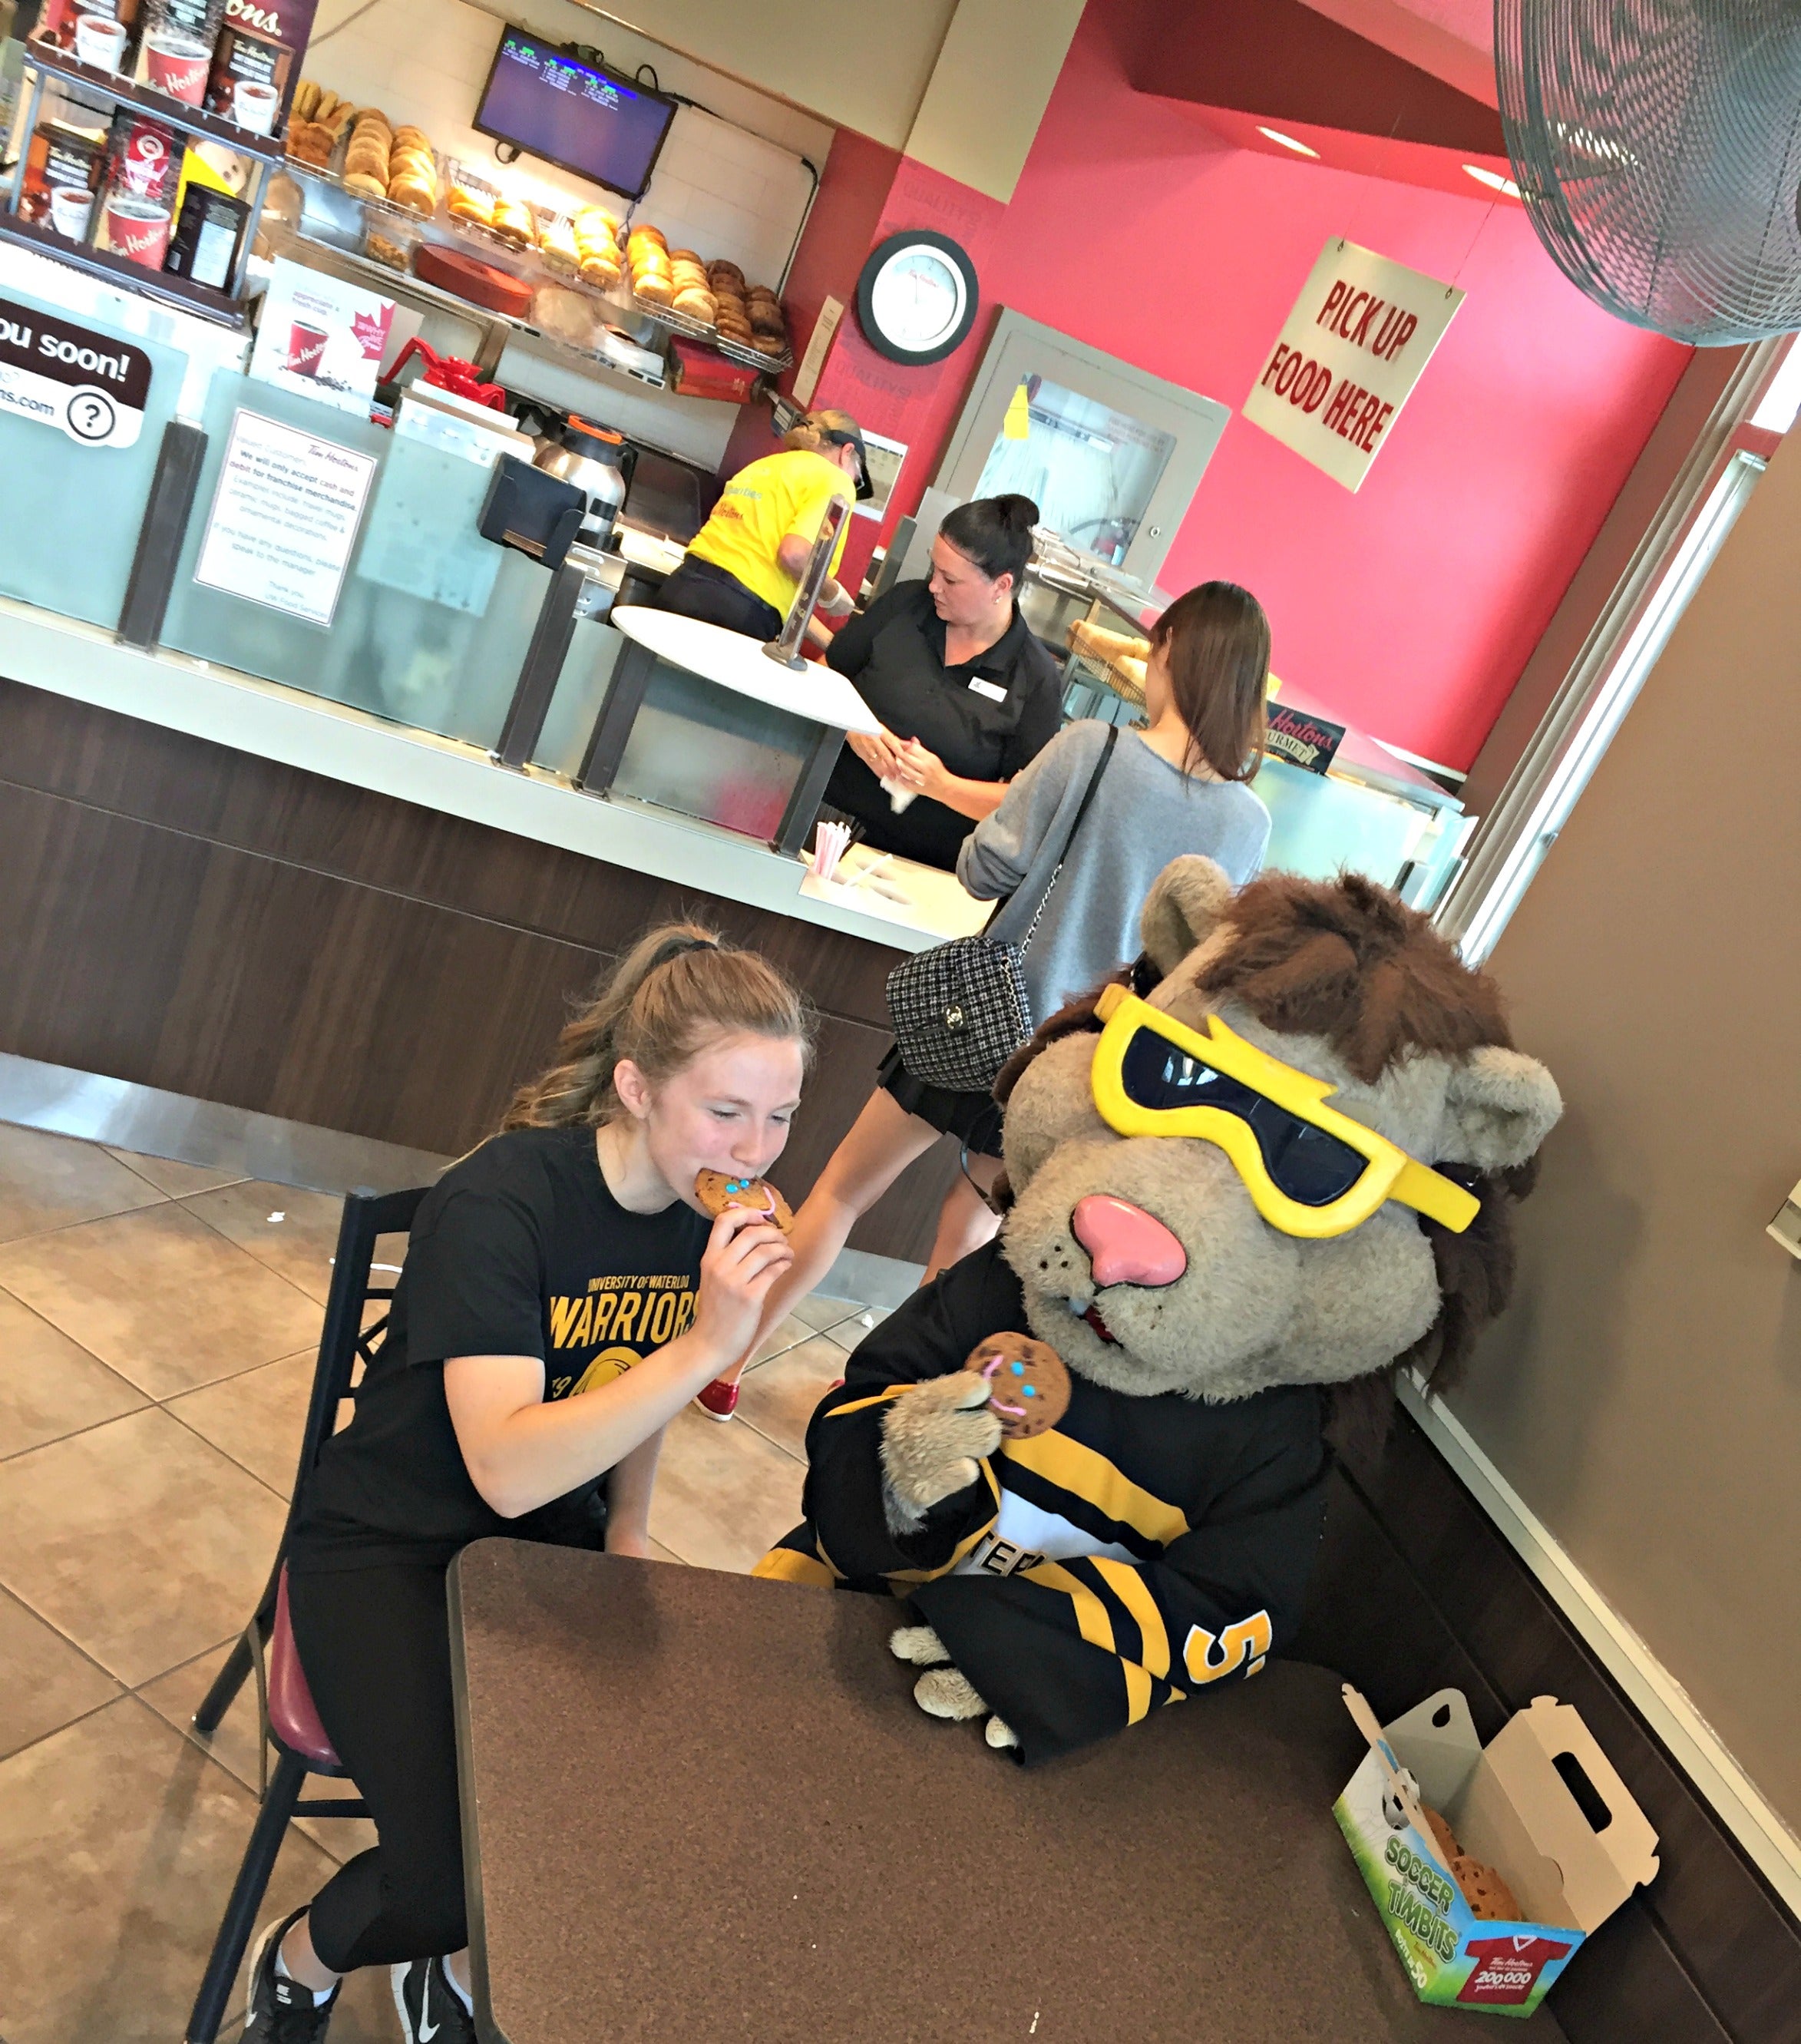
{"x": 578, "y": 116}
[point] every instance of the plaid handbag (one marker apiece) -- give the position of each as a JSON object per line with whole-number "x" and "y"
{"x": 959, "y": 1010}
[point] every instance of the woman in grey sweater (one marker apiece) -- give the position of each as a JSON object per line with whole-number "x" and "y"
{"x": 1177, "y": 785}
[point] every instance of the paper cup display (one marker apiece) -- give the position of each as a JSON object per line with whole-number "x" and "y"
{"x": 71, "y": 206}
{"x": 100, "y": 42}
{"x": 138, "y": 229}
{"x": 254, "y": 105}
{"x": 176, "y": 64}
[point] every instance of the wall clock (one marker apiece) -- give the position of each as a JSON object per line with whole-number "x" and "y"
{"x": 917, "y": 297}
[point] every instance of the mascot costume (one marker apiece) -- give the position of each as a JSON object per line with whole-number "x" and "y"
{"x": 1273, "y": 1160}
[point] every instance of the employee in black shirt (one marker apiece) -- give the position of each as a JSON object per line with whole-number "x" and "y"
{"x": 966, "y": 694}
{"x": 563, "y": 1297}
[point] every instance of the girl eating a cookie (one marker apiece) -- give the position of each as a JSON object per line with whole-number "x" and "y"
{"x": 568, "y": 1287}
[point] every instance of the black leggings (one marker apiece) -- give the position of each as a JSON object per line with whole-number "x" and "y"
{"x": 703, "y": 590}
{"x": 376, "y": 1645}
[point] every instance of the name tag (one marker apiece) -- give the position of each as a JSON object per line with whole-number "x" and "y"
{"x": 989, "y": 688}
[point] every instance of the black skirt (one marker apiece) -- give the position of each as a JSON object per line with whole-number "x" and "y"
{"x": 973, "y": 1118}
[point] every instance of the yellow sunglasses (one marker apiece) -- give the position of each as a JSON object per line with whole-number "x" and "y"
{"x": 1310, "y": 1170}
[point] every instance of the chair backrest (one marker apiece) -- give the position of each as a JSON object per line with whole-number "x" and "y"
{"x": 367, "y": 1217}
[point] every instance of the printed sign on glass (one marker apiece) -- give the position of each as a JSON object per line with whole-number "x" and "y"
{"x": 55, "y": 373}
{"x": 284, "y": 519}
{"x": 1348, "y": 357}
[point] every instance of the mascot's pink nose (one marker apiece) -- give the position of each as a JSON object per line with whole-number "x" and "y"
{"x": 1126, "y": 1245}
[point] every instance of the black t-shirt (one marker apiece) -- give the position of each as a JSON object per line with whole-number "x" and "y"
{"x": 518, "y": 1249}
{"x": 984, "y": 719}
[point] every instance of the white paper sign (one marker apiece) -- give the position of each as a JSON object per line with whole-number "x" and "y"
{"x": 1347, "y": 357}
{"x": 321, "y": 338}
{"x": 807, "y": 376}
{"x": 284, "y": 518}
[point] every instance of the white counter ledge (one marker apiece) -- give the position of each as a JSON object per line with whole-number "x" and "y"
{"x": 273, "y": 722}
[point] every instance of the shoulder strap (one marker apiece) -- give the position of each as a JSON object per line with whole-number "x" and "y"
{"x": 1069, "y": 841}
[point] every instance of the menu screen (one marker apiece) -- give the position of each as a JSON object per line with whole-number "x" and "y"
{"x": 575, "y": 114}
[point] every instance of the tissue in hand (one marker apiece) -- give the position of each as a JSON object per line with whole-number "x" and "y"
{"x": 898, "y": 795}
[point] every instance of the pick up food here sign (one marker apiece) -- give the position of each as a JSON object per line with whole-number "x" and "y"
{"x": 1348, "y": 356}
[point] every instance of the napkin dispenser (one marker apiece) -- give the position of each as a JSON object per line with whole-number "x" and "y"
{"x": 539, "y": 514}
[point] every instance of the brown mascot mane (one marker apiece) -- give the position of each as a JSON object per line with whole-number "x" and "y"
{"x": 1351, "y": 963}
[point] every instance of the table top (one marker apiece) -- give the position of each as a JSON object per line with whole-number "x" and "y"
{"x": 736, "y": 661}
{"x": 698, "y": 1806}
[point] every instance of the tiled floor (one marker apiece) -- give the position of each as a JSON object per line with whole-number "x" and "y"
{"x": 157, "y": 1324}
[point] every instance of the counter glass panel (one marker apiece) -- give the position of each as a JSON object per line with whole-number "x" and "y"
{"x": 432, "y": 622}
{"x": 710, "y": 753}
{"x": 581, "y": 693}
{"x": 69, "y": 514}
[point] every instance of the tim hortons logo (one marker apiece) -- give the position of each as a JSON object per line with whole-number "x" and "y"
{"x": 264, "y": 20}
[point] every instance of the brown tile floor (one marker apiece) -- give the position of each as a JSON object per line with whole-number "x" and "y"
{"x": 157, "y": 1323}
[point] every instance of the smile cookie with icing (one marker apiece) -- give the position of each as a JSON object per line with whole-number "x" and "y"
{"x": 717, "y": 1192}
{"x": 1030, "y": 1387}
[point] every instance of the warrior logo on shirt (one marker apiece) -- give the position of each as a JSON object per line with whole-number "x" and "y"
{"x": 624, "y": 1319}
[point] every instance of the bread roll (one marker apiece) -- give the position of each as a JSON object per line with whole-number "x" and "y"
{"x": 1103, "y": 644}
{"x": 466, "y": 203}
{"x": 415, "y": 195}
{"x": 653, "y": 291}
{"x": 596, "y": 270}
{"x": 697, "y": 305}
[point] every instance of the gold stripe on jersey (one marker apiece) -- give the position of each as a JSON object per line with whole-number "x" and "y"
{"x": 863, "y": 1404}
{"x": 1087, "y": 1474}
{"x": 1137, "y": 1691}
{"x": 1092, "y": 1620}
{"x": 785, "y": 1565}
{"x": 1132, "y": 1591}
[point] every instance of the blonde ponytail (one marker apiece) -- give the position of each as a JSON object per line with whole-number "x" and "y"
{"x": 679, "y": 988}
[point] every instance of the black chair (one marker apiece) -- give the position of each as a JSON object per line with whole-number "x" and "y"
{"x": 290, "y": 1724}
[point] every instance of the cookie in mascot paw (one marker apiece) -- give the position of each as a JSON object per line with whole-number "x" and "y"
{"x": 1276, "y": 1159}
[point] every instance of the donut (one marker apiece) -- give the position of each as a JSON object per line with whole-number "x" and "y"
{"x": 717, "y": 1192}
{"x": 1030, "y": 1384}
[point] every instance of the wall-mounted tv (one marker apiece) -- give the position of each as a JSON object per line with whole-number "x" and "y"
{"x": 578, "y": 116}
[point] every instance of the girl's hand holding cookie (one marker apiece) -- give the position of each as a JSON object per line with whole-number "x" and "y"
{"x": 745, "y": 1254}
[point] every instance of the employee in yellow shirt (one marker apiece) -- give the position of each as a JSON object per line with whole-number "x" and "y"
{"x": 744, "y": 565}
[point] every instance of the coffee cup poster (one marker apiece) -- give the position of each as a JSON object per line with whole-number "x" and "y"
{"x": 1349, "y": 355}
{"x": 322, "y": 338}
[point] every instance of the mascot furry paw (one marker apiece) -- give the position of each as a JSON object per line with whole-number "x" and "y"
{"x": 1273, "y": 1160}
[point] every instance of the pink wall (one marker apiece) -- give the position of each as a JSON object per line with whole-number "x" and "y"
{"x": 1409, "y": 609}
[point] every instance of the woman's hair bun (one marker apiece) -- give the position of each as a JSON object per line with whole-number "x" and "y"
{"x": 1018, "y": 513}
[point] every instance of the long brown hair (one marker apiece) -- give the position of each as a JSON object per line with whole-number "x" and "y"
{"x": 679, "y": 988}
{"x": 1215, "y": 641}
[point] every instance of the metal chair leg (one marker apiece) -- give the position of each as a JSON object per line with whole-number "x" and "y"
{"x": 225, "y": 1685}
{"x": 239, "y": 1918}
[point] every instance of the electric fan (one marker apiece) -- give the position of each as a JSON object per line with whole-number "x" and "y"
{"x": 1656, "y": 144}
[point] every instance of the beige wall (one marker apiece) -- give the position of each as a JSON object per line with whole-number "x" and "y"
{"x": 1643, "y": 1393}
{"x": 875, "y": 66}
{"x": 992, "y": 83}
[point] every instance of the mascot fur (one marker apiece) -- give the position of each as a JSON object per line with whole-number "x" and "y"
{"x": 1275, "y": 1159}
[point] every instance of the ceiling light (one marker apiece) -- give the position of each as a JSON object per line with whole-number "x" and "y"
{"x": 1492, "y": 179}
{"x": 1288, "y": 142}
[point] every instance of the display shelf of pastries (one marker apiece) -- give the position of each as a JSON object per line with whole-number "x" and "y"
{"x": 414, "y": 199}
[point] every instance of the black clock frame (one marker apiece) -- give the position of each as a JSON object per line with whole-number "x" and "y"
{"x": 916, "y": 237}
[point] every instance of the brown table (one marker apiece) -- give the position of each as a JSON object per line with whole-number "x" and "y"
{"x": 700, "y": 1809}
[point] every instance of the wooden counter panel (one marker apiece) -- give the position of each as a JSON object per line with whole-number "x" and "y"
{"x": 130, "y": 768}
{"x": 169, "y": 958}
